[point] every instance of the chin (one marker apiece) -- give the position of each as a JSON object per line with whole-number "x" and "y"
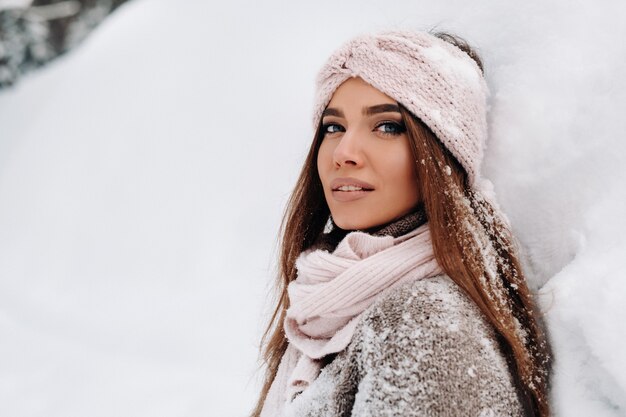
{"x": 350, "y": 223}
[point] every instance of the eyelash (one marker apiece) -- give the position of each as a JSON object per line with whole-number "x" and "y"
{"x": 398, "y": 127}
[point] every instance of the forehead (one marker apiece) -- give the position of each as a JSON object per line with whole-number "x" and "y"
{"x": 354, "y": 92}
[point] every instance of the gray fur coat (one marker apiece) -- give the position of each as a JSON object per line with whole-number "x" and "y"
{"x": 424, "y": 349}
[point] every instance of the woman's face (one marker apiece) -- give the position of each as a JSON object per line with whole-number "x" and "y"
{"x": 364, "y": 161}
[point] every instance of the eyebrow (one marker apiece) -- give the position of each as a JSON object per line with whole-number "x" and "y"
{"x": 367, "y": 111}
{"x": 381, "y": 108}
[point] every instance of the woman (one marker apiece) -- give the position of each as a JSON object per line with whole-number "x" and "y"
{"x": 401, "y": 293}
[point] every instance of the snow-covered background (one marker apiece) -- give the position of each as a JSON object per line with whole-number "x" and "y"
{"x": 143, "y": 176}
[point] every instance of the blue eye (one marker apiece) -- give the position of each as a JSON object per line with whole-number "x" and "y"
{"x": 391, "y": 128}
{"x": 330, "y": 128}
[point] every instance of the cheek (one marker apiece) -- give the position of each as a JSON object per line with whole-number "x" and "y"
{"x": 399, "y": 162}
{"x": 403, "y": 172}
{"x": 324, "y": 161}
{"x": 408, "y": 171}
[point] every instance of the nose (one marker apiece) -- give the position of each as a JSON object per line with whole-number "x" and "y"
{"x": 348, "y": 150}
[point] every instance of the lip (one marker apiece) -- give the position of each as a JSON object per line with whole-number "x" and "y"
{"x": 346, "y": 196}
{"x": 339, "y": 182}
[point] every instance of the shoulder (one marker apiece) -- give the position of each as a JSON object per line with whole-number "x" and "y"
{"x": 438, "y": 294}
{"x": 435, "y": 304}
{"x": 432, "y": 317}
{"x": 425, "y": 343}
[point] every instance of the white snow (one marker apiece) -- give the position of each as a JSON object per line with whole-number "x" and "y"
{"x": 457, "y": 66}
{"x": 142, "y": 179}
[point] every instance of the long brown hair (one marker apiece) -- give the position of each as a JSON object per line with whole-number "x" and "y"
{"x": 472, "y": 243}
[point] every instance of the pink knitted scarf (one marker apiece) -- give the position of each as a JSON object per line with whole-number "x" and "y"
{"x": 330, "y": 294}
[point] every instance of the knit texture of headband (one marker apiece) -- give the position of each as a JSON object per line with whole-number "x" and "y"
{"x": 433, "y": 79}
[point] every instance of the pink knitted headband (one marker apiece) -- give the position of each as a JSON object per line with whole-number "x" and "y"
{"x": 433, "y": 79}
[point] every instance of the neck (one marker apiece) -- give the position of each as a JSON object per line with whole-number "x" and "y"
{"x": 397, "y": 227}
{"x": 402, "y": 225}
